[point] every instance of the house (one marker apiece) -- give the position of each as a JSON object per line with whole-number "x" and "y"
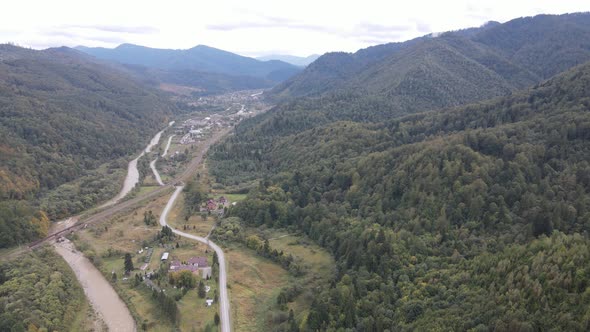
{"x": 164, "y": 256}
{"x": 198, "y": 261}
{"x": 194, "y": 264}
{"x": 211, "y": 205}
{"x": 209, "y": 302}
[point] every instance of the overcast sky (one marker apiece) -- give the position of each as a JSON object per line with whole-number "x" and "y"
{"x": 254, "y": 27}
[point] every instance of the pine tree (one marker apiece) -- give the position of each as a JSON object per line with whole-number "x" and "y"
{"x": 202, "y": 292}
{"x": 128, "y": 263}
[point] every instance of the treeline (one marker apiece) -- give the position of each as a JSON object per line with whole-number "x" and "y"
{"x": 38, "y": 292}
{"x": 433, "y": 218}
{"x": 20, "y": 223}
{"x": 193, "y": 197}
{"x": 167, "y": 305}
{"x": 231, "y": 230}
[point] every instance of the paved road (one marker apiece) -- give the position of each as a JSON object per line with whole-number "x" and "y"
{"x": 223, "y": 298}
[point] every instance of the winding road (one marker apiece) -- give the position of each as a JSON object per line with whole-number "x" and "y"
{"x": 223, "y": 298}
{"x": 106, "y": 212}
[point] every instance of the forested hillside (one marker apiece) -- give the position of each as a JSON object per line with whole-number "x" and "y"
{"x": 469, "y": 218}
{"x": 449, "y": 69}
{"x": 61, "y": 115}
{"x": 200, "y": 83}
{"x": 39, "y": 292}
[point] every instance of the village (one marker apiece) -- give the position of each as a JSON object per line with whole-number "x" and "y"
{"x": 171, "y": 263}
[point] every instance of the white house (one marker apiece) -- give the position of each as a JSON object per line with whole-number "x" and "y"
{"x": 164, "y": 256}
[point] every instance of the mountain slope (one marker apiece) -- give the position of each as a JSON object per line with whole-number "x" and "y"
{"x": 331, "y": 69}
{"x": 469, "y": 218}
{"x": 199, "y": 58}
{"x": 544, "y": 44}
{"x": 200, "y": 83}
{"x": 62, "y": 114}
{"x": 441, "y": 72}
{"x": 502, "y": 57}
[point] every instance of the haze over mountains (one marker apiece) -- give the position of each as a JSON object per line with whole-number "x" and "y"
{"x": 202, "y": 66}
{"x": 292, "y": 59}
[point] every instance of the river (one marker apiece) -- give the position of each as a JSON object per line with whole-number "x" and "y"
{"x": 132, "y": 177}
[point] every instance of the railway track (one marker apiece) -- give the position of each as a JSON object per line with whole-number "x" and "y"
{"x": 124, "y": 205}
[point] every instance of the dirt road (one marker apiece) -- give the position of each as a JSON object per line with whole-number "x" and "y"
{"x": 101, "y": 295}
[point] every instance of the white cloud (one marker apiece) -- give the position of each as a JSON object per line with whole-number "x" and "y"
{"x": 256, "y": 26}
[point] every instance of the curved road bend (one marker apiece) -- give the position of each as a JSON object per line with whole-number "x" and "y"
{"x": 223, "y": 298}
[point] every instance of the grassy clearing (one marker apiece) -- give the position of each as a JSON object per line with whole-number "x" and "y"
{"x": 318, "y": 264}
{"x": 254, "y": 285}
{"x": 197, "y": 224}
{"x": 232, "y": 197}
{"x": 147, "y": 187}
{"x": 256, "y": 281}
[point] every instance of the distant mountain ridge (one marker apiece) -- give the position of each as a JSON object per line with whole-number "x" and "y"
{"x": 292, "y": 59}
{"x": 200, "y": 58}
{"x": 503, "y": 57}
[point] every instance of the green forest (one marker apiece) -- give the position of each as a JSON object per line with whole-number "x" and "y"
{"x": 474, "y": 218}
{"x": 63, "y": 116}
{"x": 39, "y": 292}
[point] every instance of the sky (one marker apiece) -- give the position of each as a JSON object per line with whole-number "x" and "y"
{"x": 254, "y": 27}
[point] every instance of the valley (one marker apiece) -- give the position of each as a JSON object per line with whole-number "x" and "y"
{"x": 439, "y": 182}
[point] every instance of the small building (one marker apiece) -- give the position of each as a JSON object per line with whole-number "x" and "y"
{"x": 197, "y": 261}
{"x": 209, "y": 302}
{"x": 211, "y": 205}
{"x": 164, "y": 256}
{"x": 194, "y": 264}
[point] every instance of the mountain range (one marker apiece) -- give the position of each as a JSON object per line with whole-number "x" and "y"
{"x": 436, "y": 219}
{"x": 292, "y": 59}
{"x": 448, "y": 176}
{"x": 452, "y": 68}
{"x": 201, "y": 58}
